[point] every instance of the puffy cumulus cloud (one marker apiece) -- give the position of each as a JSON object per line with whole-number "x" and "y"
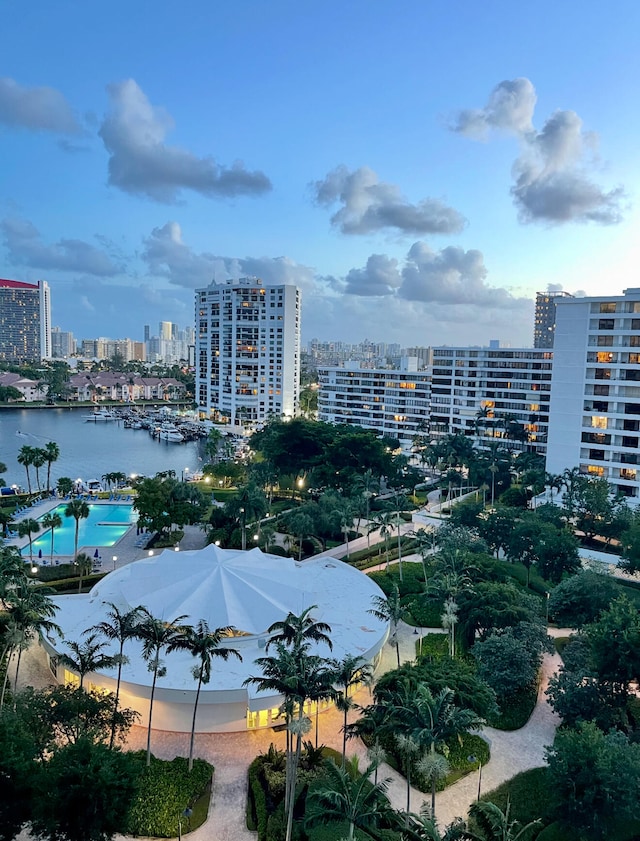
{"x": 166, "y": 255}
{"x": 554, "y": 287}
{"x": 510, "y": 108}
{"x": 36, "y": 109}
{"x": 141, "y": 163}
{"x": 451, "y": 276}
{"x": 370, "y": 205}
{"x": 26, "y": 248}
{"x": 379, "y": 277}
{"x": 552, "y": 179}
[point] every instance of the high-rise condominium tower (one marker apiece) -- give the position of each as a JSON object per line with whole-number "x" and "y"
{"x": 25, "y": 321}
{"x": 594, "y": 414}
{"x": 247, "y": 350}
{"x": 545, "y": 318}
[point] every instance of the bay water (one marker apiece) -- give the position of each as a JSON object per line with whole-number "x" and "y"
{"x": 89, "y": 449}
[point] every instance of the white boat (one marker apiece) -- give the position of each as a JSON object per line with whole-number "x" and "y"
{"x": 169, "y": 432}
{"x": 100, "y": 415}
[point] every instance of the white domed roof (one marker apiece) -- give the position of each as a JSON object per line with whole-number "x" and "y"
{"x": 248, "y": 590}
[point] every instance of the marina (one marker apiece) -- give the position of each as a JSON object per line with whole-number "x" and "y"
{"x": 130, "y": 443}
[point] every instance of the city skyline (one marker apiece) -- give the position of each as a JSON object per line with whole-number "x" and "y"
{"x": 328, "y": 147}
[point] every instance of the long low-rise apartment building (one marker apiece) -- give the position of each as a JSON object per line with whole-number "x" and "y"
{"x": 484, "y": 392}
{"x": 391, "y": 402}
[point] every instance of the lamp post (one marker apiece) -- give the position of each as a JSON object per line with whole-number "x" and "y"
{"x": 475, "y": 759}
{"x": 115, "y": 558}
{"x": 183, "y": 473}
{"x": 548, "y": 594}
{"x": 186, "y": 813}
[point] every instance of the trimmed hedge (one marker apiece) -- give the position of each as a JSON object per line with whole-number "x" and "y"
{"x": 165, "y": 790}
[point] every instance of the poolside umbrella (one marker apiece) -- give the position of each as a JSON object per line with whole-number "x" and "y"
{"x": 39, "y": 553}
{"x": 96, "y": 554}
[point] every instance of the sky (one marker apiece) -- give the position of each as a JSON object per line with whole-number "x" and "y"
{"x": 419, "y": 169}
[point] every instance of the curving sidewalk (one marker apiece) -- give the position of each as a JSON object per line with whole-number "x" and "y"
{"x": 231, "y": 753}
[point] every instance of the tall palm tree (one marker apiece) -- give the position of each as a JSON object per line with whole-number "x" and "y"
{"x": 346, "y": 673}
{"x": 52, "y": 451}
{"x": 156, "y": 637}
{"x": 430, "y": 721}
{"x": 347, "y": 796}
{"x": 344, "y": 514}
{"x": 449, "y": 622}
{"x": 204, "y": 644}
{"x": 298, "y": 631}
{"x": 29, "y": 527}
{"x": 390, "y": 609}
{"x": 383, "y": 521}
{"x": 87, "y": 656}
{"x": 248, "y": 505}
{"x": 494, "y": 824}
{"x": 38, "y": 459}
{"x": 79, "y": 510}
{"x": 6, "y": 519}
{"x": 294, "y": 674}
{"x": 31, "y": 611}
{"x": 399, "y": 501}
{"x": 119, "y": 626}
{"x": 367, "y": 485}
{"x": 51, "y": 521}
{"x": 25, "y": 458}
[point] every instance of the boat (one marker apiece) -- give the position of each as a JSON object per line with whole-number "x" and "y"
{"x": 100, "y": 415}
{"x": 169, "y": 432}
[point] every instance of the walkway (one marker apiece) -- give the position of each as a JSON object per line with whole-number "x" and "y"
{"x": 231, "y": 753}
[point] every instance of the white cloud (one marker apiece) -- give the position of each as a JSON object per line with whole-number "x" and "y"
{"x": 552, "y": 179}
{"x": 36, "y": 109}
{"x": 141, "y": 163}
{"x": 25, "y": 248}
{"x": 370, "y": 205}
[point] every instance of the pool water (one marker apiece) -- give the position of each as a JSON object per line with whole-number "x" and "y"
{"x": 105, "y": 526}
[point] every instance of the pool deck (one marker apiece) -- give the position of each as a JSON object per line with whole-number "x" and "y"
{"x": 125, "y": 550}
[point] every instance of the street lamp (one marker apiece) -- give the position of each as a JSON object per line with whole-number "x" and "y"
{"x": 151, "y": 553}
{"x": 475, "y": 759}
{"x": 115, "y": 558}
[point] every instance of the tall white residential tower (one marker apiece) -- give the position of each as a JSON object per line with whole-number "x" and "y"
{"x": 247, "y": 350}
{"x": 594, "y": 417}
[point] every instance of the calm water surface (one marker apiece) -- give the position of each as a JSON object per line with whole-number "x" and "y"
{"x": 88, "y": 449}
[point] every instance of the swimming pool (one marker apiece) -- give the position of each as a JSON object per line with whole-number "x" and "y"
{"x": 105, "y": 526}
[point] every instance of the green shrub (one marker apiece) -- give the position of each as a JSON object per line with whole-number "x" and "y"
{"x": 165, "y": 790}
{"x": 423, "y": 612}
{"x": 516, "y": 710}
{"x": 433, "y": 645}
{"x": 529, "y": 795}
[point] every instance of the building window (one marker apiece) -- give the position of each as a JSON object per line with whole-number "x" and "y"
{"x": 608, "y": 307}
{"x": 606, "y": 324}
{"x": 598, "y": 422}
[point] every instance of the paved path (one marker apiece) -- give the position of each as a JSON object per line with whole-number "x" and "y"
{"x": 231, "y": 754}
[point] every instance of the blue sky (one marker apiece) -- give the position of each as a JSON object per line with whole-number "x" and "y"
{"x": 420, "y": 169}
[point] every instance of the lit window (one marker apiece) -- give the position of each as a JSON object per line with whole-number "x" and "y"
{"x": 599, "y": 422}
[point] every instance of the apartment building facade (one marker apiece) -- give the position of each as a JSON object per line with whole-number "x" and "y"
{"x": 544, "y": 324}
{"x": 595, "y": 394}
{"x": 392, "y": 403}
{"x": 247, "y": 350}
{"x": 25, "y": 321}
{"x": 481, "y": 389}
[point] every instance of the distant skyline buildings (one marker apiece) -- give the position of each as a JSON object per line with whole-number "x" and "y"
{"x": 25, "y": 321}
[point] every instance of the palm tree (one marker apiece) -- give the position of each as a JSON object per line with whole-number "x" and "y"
{"x": 87, "y": 657}
{"x": 79, "y": 510}
{"x": 346, "y": 673}
{"x": 367, "y": 485}
{"x": 248, "y": 505}
{"x": 38, "y": 459}
{"x": 156, "y": 637}
{"x": 449, "y": 621}
{"x": 430, "y": 721}
{"x": 25, "y": 458}
{"x": 119, "y": 626}
{"x": 390, "y": 609}
{"x": 28, "y": 528}
{"x": 383, "y": 521}
{"x": 347, "y": 796}
{"x": 204, "y": 644}
{"x": 6, "y": 519}
{"x": 301, "y": 525}
{"x": 494, "y": 824}
{"x": 52, "y": 451}
{"x": 344, "y": 514}
{"x": 298, "y": 631}
{"x": 422, "y": 827}
{"x": 51, "y": 521}
{"x": 31, "y": 612}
